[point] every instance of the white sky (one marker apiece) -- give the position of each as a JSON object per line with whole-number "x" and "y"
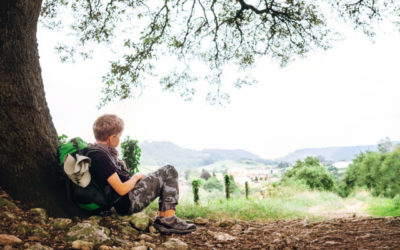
{"x": 349, "y": 95}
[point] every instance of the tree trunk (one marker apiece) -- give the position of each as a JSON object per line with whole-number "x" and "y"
{"x": 28, "y": 139}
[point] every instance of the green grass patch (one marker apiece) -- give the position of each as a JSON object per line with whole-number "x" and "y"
{"x": 385, "y": 207}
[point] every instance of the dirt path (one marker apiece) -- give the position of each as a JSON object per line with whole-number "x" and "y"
{"x": 338, "y": 233}
{"x": 346, "y": 210}
{"x": 357, "y": 233}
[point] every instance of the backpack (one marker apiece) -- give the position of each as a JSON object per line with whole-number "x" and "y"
{"x": 91, "y": 197}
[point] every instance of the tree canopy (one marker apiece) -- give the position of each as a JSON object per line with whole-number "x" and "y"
{"x": 215, "y": 32}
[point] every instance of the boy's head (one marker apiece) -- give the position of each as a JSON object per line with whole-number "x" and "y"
{"x": 107, "y": 129}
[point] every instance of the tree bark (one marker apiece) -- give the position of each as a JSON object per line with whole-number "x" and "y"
{"x": 28, "y": 139}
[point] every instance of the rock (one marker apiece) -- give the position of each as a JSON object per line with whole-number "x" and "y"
{"x": 236, "y": 229}
{"x": 176, "y": 244}
{"x": 104, "y": 247}
{"x": 7, "y": 239}
{"x": 250, "y": 230}
{"x": 139, "y": 248}
{"x": 277, "y": 241}
{"x": 126, "y": 228}
{"x": 81, "y": 244}
{"x": 38, "y": 246}
{"x": 200, "y": 221}
{"x": 95, "y": 218}
{"x": 8, "y": 215}
{"x": 226, "y": 223}
{"x": 61, "y": 223}
{"x": 220, "y": 236}
{"x": 152, "y": 230}
{"x": 88, "y": 232}
{"x": 7, "y": 203}
{"x": 145, "y": 237}
{"x": 26, "y": 229}
{"x": 39, "y": 214}
{"x": 38, "y": 231}
{"x": 151, "y": 245}
{"x": 140, "y": 221}
{"x": 21, "y": 228}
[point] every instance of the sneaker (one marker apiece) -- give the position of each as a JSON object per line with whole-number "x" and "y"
{"x": 173, "y": 224}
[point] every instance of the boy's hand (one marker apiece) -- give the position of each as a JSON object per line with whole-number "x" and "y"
{"x": 139, "y": 176}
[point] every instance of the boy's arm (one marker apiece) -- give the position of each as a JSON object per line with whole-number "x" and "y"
{"x": 122, "y": 188}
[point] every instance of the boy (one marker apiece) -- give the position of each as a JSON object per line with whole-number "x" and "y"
{"x": 138, "y": 191}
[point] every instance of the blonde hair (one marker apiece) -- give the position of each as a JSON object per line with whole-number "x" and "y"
{"x": 106, "y": 126}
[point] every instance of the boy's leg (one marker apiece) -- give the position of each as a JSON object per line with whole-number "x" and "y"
{"x": 162, "y": 183}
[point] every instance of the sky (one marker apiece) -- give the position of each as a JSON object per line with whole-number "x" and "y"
{"x": 346, "y": 96}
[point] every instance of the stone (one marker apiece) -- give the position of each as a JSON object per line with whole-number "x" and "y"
{"x": 8, "y": 215}
{"x": 7, "y": 203}
{"x": 220, "y": 236}
{"x": 81, "y": 244}
{"x": 236, "y": 229}
{"x": 226, "y": 223}
{"x": 7, "y": 239}
{"x": 39, "y": 214}
{"x": 88, "y": 232}
{"x": 21, "y": 228}
{"x": 151, "y": 245}
{"x": 60, "y": 223}
{"x": 176, "y": 244}
{"x": 38, "y": 231}
{"x": 139, "y": 248}
{"x": 250, "y": 230}
{"x": 145, "y": 237}
{"x": 153, "y": 230}
{"x": 126, "y": 228}
{"x": 141, "y": 221}
{"x": 38, "y": 246}
{"x": 26, "y": 229}
{"x": 201, "y": 221}
{"x": 95, "y": 218}
{"x": 104, "y": 247}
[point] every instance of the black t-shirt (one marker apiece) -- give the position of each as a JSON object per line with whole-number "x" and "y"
{"x": 101, "y": 169}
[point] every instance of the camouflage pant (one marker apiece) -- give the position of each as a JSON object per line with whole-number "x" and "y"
{"x": 162, "y": 183}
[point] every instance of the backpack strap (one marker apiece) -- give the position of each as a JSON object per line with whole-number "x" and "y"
{"x": 75, "y": 143}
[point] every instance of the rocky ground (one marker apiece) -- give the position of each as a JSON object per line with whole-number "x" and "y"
{"x": 33, "y": 229}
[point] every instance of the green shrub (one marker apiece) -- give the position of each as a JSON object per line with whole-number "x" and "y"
{"x": 311, "y": 173}
{"x": 213, "y": 184}
{"x": 377, "y": 171}
{"x": 131, "y": 153}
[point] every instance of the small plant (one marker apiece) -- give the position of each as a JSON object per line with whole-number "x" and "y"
{"x": 246, "y": 185}
{"x": 62, "y": 139}
{"x": 227, "y": 186}
{"x": 195, "y": 187}
{"x": 131, "y": 153}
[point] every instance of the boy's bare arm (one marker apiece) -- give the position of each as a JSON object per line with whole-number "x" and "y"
{"x": 122, "y": 188}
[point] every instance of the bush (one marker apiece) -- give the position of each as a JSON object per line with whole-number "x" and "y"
{"x": 213, "y": 184}
{"x": 131, "y": 153}
{"x": 311, "y": 173}
{"x": 376, "y": 171}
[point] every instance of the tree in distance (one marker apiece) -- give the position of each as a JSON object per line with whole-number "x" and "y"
{"x": 217, "y": 33}
{"x": 311, "y": 173}
{"x": 205, "y": 174}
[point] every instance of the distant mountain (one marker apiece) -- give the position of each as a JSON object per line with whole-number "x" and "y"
{"x": 330, "y": 153}
{"x": 162, "y": 153}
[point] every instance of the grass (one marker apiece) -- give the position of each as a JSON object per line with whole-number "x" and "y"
{"x": 283, "y": 203}
{"x": 385, "y": 207}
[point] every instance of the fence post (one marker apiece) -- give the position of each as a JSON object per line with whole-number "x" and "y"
{"x": 227, "y": 186}
{"x": 195, "y": 188}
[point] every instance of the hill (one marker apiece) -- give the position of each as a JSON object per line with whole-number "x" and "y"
{"x": 330, "y": 153}
{"x": 162, "y": 153}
